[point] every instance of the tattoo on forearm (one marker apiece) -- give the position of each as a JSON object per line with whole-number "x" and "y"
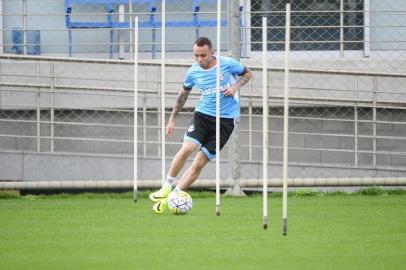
{"x": 243, "y": 80}
{"x": 180, "y": 101}
{"x": 244, "y": 77}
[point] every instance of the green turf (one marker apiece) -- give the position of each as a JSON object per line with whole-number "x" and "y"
{"x": 111, "y": 232}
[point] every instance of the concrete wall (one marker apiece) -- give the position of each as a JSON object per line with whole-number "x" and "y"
{"x": 70, "y": 167}
{"x": 30, "y": 166}
{"x": 75, "y": 157}
{"x": 112, "y": 84}
{"x": 307, "y": 141}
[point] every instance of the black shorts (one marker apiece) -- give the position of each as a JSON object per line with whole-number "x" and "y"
{"x": 202, "y": 131}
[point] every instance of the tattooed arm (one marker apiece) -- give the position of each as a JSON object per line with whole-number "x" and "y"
{"x": 244, "y": 78}
{"x": 180, "y": 101}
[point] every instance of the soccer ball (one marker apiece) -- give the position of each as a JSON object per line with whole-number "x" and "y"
{"x": 180, "y": 203}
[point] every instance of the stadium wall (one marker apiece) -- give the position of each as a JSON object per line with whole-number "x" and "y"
{"x": 92, "y": 104}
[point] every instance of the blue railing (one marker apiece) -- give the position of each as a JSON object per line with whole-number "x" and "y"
{"x": 150, "y": 23}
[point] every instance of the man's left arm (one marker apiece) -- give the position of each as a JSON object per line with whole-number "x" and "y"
{"x": 245, "y": 76}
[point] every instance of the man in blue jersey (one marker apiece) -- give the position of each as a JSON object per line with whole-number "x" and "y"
{"x": 201, "y": 133}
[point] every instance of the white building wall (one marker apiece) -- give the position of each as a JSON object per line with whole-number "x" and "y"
{"x": 388, "y": 24}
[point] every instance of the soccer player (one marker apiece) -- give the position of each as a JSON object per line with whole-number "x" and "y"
{"x": 201, "y": 133}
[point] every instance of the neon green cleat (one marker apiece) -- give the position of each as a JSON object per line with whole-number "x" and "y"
{"x": 160, "y": 194}
{"x": 160, "y": 206}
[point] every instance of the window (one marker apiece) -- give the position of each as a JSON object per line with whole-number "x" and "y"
{"x": 315, "y": 24}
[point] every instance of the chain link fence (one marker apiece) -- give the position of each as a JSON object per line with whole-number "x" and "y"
{"x": 104, "y": 29}
{"x": 347, "y": 86}
{"x": 347, "y": 116}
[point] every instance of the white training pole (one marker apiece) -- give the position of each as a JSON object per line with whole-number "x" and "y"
{"x": 264, "y": 123}
{"x": 121, "y": 19}
{"x": 135, "y": 193}
{"x": 218, "y": 109}
{"x": 163, "y": 49}
{"x": 285, "y": 124}
{"x": 367, "y": 28}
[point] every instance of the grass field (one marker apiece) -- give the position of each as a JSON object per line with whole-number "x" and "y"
{"x": 111, "y": 232}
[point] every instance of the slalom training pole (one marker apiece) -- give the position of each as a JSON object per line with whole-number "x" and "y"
{"x": 218, "y": 108}
{"x": 135, "y": 192}
{"x": 163, "y": 79}
{"x": 286, "y": 124}
{"x": 264, "y": 124}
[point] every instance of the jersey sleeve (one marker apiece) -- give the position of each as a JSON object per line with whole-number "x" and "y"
{"x": 188, "y": 82}
{"x": 235, "y": 66}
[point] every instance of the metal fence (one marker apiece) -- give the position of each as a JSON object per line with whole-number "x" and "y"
{"x": 103, "y": 29}
{"x": 347, "y": 116}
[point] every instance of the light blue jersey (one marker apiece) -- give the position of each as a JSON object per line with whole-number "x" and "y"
{"x": 205, "y": 81}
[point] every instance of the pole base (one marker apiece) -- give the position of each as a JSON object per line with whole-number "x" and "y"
{"x": 217, "y": 210}
{"x": 135, "y": 196}
{"x": 265, "y": 223}
{"x": 285, "y": 226}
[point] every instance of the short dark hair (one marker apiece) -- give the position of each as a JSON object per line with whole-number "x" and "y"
{"x": 201, "y": 41}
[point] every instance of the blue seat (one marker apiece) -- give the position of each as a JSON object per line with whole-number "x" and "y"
{"x": 33, "y": 41}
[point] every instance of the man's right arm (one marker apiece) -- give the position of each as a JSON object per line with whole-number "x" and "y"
{"x": 180, "y": 101}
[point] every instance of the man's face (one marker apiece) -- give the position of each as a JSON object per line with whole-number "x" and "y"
{"x": 204, "y": 56}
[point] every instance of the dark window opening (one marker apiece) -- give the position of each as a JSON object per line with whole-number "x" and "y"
{"x": 315, "y": 25}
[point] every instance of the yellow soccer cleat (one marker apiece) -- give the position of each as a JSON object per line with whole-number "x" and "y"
{"x": 160, "y": 194}
{"x": 160, "y": 206}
